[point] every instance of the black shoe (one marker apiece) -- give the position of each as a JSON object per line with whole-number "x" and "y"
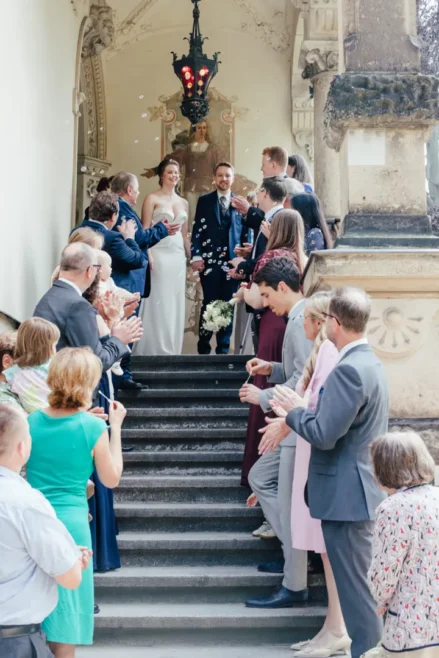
{"x": 272, "y": 567}
{"x": 127, "y": 448}
{"x": 282, "y": 598}
{"x": 97, "y": 609}
{"x": 130, "y": 385}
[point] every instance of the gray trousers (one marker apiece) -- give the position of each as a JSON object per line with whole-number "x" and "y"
{"x": 349, "y": 547}
{"x": 271, "y": 479}
{"x": 27, "y": 646}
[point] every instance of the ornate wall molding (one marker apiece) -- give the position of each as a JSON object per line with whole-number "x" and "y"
{"x": 161, "y": 112}
{"x": 320, "y": 61}
{"x": 397, "y": 331}
{"x": 303, "y": 124}
{"x": 99, "y": 30}
{"x": 92, "y": 84}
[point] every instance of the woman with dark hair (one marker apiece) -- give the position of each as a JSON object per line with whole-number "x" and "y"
{"x": 298, "y": 169}
{"x": 317, "y": 235}
{"x": 164, "y": 310}
{"x": 104, "y": 185}
{"x": 285, "y": 240}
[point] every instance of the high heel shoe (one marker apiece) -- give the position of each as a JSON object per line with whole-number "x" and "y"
{"x": 325, "y": 647}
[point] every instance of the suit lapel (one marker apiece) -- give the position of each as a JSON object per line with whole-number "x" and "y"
{"x": 217, "y": 208}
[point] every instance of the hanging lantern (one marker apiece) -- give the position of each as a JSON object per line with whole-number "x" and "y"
{"x": 195, "y": 71}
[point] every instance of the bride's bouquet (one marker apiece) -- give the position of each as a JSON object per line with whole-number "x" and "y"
{"x": 218, "y": 315}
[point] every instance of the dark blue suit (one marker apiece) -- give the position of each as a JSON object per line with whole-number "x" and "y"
{"x": 126, "y": 255}
{"x": 214, "y": 239}
{"x": 145, "y": 238}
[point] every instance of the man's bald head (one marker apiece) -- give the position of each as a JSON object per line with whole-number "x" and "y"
{"x": 77, "y": 257}
{"x": 352, "y": 308}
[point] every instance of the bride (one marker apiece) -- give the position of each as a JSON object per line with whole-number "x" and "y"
{"x": 163, "y": 313}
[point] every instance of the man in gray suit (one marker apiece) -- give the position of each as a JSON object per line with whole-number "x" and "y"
{"x": 353, "y": 410}
{"x": 64, "y": 305}
{"x": 271, "y": 478}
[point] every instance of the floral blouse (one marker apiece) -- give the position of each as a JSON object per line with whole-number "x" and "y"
{"x": 404, "y": 575}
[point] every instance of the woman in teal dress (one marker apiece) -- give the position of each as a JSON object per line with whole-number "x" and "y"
{"x": 67, "y": 443}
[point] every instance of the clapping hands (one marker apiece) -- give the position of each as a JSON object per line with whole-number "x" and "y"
{"x": 285, "y": 400}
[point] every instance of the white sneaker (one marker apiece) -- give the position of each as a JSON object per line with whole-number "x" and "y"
{"x": 263, "y": 528}
{"x": 117, "y": 370}
{"x": 268, "y": 534}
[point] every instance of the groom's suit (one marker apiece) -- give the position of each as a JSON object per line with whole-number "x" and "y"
{"x": 352, "y": 411}
{"x": 271, "y": 478}
{"x": 216, "y": 233}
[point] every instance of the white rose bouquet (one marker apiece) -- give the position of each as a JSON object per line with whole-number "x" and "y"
{"x": 218, "y": 315}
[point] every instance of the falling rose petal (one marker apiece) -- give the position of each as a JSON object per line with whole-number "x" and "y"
{"x": 102, "y": 171}
{"x": 144, "y": 115}
{"x": 157, "y": 139}
{"x": 141, "y": 97}
{"x": 207, "y": 271}
{"x": 101, "y": 129}
{"x": 136, "y": 141}
{"x": 83, "y": 169}
{"x": 231, "y": 366}
{"x": 90, "y": 132}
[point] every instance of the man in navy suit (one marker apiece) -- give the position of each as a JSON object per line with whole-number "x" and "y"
{"x": 218, "y": 230}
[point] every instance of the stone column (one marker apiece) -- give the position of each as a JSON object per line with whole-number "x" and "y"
{"x": 321, "y": 66}
{"x": 378, "y": 116}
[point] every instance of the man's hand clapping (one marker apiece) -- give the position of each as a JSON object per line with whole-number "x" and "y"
{"x": 249, "y": 393}
{"x": 128, "y": 229}
{"x": 274, "y": 433}
{"x": 287, "y": 399}
{"x": 128, "y": 331}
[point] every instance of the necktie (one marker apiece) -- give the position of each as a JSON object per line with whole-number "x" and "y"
{"x": 223, "y": 204}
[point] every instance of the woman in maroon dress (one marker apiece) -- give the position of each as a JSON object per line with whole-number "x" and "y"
{"x": 286, "y": 238}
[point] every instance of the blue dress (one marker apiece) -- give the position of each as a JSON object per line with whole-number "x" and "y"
{"x": 103, "y": 526}
{"x": 314, "y": 241}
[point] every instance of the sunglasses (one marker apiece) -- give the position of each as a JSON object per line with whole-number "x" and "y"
{"x": 328, "y": 315}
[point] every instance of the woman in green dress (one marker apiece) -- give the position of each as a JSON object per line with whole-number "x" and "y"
{"x": 67, "y": 443}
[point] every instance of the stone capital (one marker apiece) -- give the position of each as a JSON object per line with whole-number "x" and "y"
{"x": 320, "y": 60}
{"x": 99, "y": 29}
{"x": 88, "y": 166}
{"x": 380, "y": 100}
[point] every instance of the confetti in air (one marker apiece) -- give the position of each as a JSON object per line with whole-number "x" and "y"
{"x": 144, "y": 115}
{"x": 83, "y": 169}
{"x": 141, "y": 97}
{"x": 136, "y": 141}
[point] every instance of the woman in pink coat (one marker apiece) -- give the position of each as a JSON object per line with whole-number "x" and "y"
{"x": 307, "y": 532}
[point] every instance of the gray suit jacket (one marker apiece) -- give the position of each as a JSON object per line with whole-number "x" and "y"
{"x": 295, "y": 352}
{"x": 76, "y": 320}
{"x": 352, "y": 411}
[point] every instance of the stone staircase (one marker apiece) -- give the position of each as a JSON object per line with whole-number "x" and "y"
{"x": 189, "y": 560}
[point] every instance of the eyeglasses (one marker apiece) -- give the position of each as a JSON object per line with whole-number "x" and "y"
{"x": 98, "y": 267}
{"x": 328, "y": 315}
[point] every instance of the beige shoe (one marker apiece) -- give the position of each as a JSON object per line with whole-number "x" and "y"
{"x": 325, "y": 647}
{"x": 268, "y": 533}
{"x": 263, "y": 528}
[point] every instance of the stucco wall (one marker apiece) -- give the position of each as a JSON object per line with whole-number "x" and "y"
{"x": 255, "y": 68}
{"x": 38, "y": 50}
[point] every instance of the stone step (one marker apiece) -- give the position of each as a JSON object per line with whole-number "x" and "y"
{"x": 180, "y": 489}
{"x": 197, "y": 423}
{"x": 195, "y": 413}
{"x": 190, "y": 380}
{"x": 178, "y": 517}
{"x": 159, "y": 439}
{"x": 195, "y": 549}
{"x": 181, "y": 396}
{"x": 191, "y": 585}
{"x": 191, "y": 651}
{"x": 187, "y": 462}
{"x": 213, "y": 623}
{"x": 189, "y": 362}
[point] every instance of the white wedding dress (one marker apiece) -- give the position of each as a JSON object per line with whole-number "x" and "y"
{"x": 163, "y": 313}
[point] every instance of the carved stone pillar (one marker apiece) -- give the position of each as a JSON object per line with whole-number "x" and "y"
{"x": 321, "y": 66}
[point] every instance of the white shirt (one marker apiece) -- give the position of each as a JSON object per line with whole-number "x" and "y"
{"x": 35, "y": 547}
{"x": 270, "y": 213}
{"x": 350, "y": 346}
{"x": 73, "y": 286}
{"x": 227, "y": 195}
{"x": 95, "y": 221}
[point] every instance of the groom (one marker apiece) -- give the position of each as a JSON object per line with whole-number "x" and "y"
{"x": 218, "y": 230}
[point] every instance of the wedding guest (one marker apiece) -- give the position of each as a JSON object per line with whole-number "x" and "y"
{"x": 403, "y": 576}
{"x": 36, "y": 551}
{"x": 88, "y": 236}
{"x": 298, "y": 169}
{"x": 217, "y": 231}
{"x": 27, "y": 376}
{"x": 306, "y": 533}
{"x": 271, "y": 478}
{"x": 8, "y": 341}
{"x": 104, "y": 185}
{"x": 317, "y": 234}
{"x": 65, "y": 428}
{"x": 342, "y": 491}
{"x": 64, "y": 305}
{"x": 286, "y": 240}
{"x": 126, "y": 186}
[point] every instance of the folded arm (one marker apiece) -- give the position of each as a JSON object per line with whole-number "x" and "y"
{"x": 341, "y": 400}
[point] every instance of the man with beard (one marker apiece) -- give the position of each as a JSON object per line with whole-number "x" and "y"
{"x": 218, "y": 230}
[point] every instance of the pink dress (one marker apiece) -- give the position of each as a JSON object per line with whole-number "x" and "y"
{"x": 307, "y": 532}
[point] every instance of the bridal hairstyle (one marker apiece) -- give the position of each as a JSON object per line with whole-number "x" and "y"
{"x": 401, "y": 459}
{"x": 35, "y": 340}
{"x": 301, "y": 171}
{"x": 287, "y": 232}
{"x": 162, "y": 168}
{"x": 309, "y": 207}
{"x": 316, "y": 306}
{"x": 74, "y": 374}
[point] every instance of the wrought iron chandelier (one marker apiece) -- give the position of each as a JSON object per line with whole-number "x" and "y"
{"x": 195, "y": 71}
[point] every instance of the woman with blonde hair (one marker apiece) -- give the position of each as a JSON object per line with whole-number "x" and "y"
{"x": 404, "y": 574}
{"x": 307, "y": 532}
{"x": 285, "y": 240}
{"x": 66, "y": 443}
